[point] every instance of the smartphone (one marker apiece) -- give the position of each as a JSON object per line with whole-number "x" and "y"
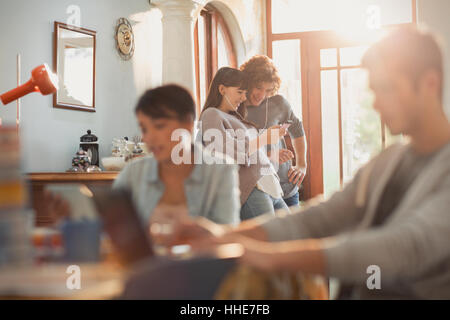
{"x": 286, "y": 125}
{"x": 122, "y": 223}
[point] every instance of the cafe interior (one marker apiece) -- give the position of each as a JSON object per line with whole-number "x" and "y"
{"x": 72, "y": 73}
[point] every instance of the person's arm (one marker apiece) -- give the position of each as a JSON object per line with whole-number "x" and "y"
{"x": 268, "y": 137}
{"x": 234, "y": 143}
{"x": 402, "y": 250}
{"x": 279, "y": 156}
{"x": 292, "y": 256}
{"x": 338, "y": 214}
{"x": 215, "y": 136}
{"x": 251, "y": 229}
{"x": 297, "y": 173}
{"x": 341, "y": 213}
{"x": 323, "y": 219}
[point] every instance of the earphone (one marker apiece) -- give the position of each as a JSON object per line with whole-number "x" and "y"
{"x": 267, "y": 107}
{"x": 228, "y": 100}
{"x": 235, "y": 109}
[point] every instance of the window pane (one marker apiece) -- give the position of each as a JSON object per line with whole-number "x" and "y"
{"x": 286, "y": 56}
{"x": 361, "y": 125}
{"x": 307, "y": 15}
{"x": 222, "y": 49}
{"x": 202, "y": 59}
{"x": 328, "y": 58}
{"x": 352, "y": 56}
{"x": 330, "y": 132}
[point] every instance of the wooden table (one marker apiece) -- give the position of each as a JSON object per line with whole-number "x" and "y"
{"x": 38, "y": 181}
{"x": 49, "y": 281}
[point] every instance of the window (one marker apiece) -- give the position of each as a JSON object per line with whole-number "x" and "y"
{"x": 318, "y": 53}
{"x": 305, "y": 15}
{"x": 286, "y": 56}
{"x": 213, "y": 50}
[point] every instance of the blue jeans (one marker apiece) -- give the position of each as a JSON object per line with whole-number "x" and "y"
{"x": 292, "y": 201}
{"x": 258, "y": 203}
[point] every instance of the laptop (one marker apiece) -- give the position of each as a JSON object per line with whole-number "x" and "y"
{"x": 123, "y": 225}
{"x": 151, "y": 276}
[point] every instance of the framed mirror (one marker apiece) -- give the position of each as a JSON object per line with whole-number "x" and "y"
{"x": 74, "y": 63}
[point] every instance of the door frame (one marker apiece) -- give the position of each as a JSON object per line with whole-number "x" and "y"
{"x": 310, "y": 44}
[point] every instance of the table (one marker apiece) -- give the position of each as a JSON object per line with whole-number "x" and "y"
{"x": 49, "y": 281}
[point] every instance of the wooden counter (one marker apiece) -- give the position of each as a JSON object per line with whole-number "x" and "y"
{"x": 72, "y": 177}
{"x": 39, "y": 180}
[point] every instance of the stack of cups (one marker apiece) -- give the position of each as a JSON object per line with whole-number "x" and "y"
{"x": 15, "y": 247}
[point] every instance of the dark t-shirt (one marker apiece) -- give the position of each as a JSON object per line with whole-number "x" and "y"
{"x": 407, "y": 170}
{"x": 273, "y": 111}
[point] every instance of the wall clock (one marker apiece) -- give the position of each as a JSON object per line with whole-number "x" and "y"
{"x": 124, "y": 39}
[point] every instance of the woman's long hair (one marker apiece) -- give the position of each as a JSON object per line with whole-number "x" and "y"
{"x": 228, "y": 77}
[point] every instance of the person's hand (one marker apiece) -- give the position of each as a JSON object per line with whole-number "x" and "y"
{"x": 55, "y": 206}
{"x": 255, "y": 253}
{"x": 187, "y": 231}
{"x": 273, "y": 134}
{"x": 259, "y": 255}
{"x": 164, "y": 219}
{"x": 284, "y": 155}
{"x": 296, "y": 174}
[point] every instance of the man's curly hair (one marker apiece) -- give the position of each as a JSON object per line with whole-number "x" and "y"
{"x": 259, "y": 69}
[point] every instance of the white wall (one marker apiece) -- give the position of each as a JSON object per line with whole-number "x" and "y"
{"x": 49, "y": 136}
{"x": 435, "y": 15}
{"x": 251, "y": 16}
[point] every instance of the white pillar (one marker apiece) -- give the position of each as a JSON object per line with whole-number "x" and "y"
{"x": 178, "y": 21}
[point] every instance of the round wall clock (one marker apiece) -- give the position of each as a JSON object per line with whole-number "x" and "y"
{"x": 124, "y": 39}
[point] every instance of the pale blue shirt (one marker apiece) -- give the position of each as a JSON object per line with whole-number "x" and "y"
{"x": 212, "y": 190}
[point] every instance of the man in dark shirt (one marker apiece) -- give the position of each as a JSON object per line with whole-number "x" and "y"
{"x": 386, "y": 233}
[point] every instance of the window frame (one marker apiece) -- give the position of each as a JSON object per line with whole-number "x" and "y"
{"x": 213, "y": 19}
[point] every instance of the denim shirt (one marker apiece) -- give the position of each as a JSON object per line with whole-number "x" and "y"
{"x": 212, "y": 190}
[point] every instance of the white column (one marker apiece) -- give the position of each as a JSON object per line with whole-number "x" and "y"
{"x": 178, "y": 18}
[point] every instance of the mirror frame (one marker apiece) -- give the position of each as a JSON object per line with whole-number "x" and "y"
{"x": 63, "y": 105}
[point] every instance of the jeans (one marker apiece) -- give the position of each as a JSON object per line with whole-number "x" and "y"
{"x": 292, "y": 201}
{"x": 258, "y": 203}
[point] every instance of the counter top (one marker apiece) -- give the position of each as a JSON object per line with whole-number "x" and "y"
{"x": 71, "y": 176}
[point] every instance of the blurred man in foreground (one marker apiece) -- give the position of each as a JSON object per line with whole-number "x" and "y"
{"x": 394, "y": 217}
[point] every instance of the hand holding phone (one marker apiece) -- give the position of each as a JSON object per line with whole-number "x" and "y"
{"x": 285, "y": 125}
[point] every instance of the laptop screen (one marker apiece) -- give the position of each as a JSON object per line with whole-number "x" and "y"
{"x": 123, "y": 225}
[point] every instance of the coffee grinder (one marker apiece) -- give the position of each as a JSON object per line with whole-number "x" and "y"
{"x": 90, "y": 145}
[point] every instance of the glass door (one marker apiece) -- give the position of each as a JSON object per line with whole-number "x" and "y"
{"x": 350, "y": 131}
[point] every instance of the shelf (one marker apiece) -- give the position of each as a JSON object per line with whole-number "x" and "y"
{"x": 51, "y": 177}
